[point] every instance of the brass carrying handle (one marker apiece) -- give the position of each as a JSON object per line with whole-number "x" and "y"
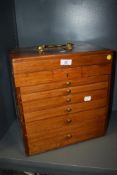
{"x": 68, "y": 46}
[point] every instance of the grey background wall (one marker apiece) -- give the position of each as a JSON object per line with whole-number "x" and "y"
{"x": 7, "y": 41}
{"x": 53, "y": 21}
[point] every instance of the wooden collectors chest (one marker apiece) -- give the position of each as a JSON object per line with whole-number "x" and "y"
{"x": 63, "y": 98}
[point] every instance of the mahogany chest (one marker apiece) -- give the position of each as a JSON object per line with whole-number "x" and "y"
{"x": 62, "y": 97}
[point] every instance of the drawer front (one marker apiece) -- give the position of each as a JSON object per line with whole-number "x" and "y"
{"x": 67, "y": 109}
{"x": 31, "y": 106}
{"x": 35, "y": 78}
{"x": 63, "y": 92}
{"x": 67, "y": 73}
{"x": 50, "y": 62}
{"x": 47, "y": 134}
{"x": 95, "y": 70}
{"x": 64, "y": 84}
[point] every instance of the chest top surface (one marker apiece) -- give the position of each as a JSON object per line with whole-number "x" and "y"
{"x": 80, "y": 48}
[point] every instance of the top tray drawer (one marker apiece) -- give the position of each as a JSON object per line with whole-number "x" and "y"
{"x": 50, "y": 62}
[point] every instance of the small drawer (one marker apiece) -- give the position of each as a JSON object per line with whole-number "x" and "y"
{"x": 67, "y": 74}
{"x": 34, "y": 64}
{"x": 34, "y": 78}
{"x": 96, "y": 70}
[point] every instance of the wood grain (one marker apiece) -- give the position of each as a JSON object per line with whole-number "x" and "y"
{"x": 100, "y": 69}
{"x": 63, "y": 92}
{"x": 35, "y": 78}
{"x": 63, "y": 84}
{"x": 46, "y": 134}
{"x": 78, "y": 120}
{"x": 62, "y": 110}
{"x": 41, "y": 62}
{"x": 47, "y": 103}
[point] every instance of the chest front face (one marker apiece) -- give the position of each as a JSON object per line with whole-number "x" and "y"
{"x": 62, "y": 98}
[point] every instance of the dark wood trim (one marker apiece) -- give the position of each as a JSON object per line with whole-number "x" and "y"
{"x": 21, "y": 118}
